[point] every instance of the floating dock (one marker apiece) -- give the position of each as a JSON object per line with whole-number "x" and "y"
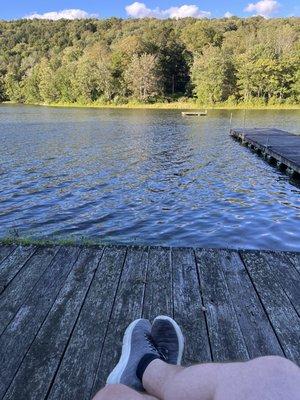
{"x": 194, "y": 113}
{"x": 280, "y": 147}
{"x": 64, "y": 309}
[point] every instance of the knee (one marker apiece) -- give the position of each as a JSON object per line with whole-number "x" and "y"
{"x": 110, "y": 392}
{"x": 275, "y": 366}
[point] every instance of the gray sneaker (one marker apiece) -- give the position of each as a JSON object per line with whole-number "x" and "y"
{"x": 137, "y": 342}
{"x": 168, "y": 339}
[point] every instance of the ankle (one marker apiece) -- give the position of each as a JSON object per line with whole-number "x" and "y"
{"x": 157, "y": 375}
{"x": 143, "y": 364}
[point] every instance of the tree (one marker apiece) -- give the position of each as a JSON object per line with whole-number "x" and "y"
{"x": 213, "y": 76}
{"x": 262, "y": 74}
{"x": 142, "y": 77}
{"x": 12, "y": 87}
{"x": 30, "y": 87}
{"x": 252, "y": 59}
{"x": 201, "y": 34}
{"x": 47, "y": 82}
{"x": 296, "y": 87}
{"x": 85, "y": 81}
{"x": 2, "y": 89}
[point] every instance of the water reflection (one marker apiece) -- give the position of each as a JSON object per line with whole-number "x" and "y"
{"x": 145, "y": 176}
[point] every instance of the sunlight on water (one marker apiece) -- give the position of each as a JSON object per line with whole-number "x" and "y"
{"x": 144, "y": 176}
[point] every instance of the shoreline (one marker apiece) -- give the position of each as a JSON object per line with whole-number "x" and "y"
{"x": 163, "y": 106}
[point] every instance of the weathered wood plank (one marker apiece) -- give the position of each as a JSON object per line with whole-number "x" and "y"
{"x": 31, "y": 315}
{"x": 13, "y": 264}
{"x": 282, "y": 146}
{"x": 285, "y": 274}
{"x": 38, "y": 368}
{"x": 13, "y": 297}
{"x": 65, "y": 320}
{"x": 188, "y": 307}
{"x": 258, "y": 333}
{"x": 128, "y": 307}
{"x": 226, "y": 338}
{"x": 5, "y": 250}
{"x": 281, "y": 313}
{"x": 158, "y": 292}
{"x": 75, "y": 376}
{"x": 295, "y": 259}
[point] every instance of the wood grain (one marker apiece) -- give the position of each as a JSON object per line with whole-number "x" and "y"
{"x": 189, "y": 310}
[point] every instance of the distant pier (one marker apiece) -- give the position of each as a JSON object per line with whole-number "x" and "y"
{"x": 279, "y": 147}
{"x": 194, "y": 113}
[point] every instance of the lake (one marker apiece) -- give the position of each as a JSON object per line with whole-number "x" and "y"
{"x": 145, "y": 177}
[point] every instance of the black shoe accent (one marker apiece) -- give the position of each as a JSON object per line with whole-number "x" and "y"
{"x": 143, "y": 364}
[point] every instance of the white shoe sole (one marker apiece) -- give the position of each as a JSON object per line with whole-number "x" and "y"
{"x": 179, "y": 335}
{"x": 115, "y": 375}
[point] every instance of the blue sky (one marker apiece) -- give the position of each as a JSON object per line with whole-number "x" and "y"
{"x": 13, "y": 9}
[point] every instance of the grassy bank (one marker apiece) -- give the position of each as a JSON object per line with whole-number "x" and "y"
{"x": 67, "y": 241}
{"x": 172, "y": 106}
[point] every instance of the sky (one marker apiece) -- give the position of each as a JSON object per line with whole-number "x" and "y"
{"x": 72, "y": 9}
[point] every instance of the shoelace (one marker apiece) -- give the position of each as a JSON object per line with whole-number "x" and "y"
{"x": 153, "y": 346}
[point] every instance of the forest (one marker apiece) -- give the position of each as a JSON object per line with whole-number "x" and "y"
{"x": 116, "y": 61}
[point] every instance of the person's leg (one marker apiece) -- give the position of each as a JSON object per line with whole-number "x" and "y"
{"x": 121, "y": 392}
{"x": 264, "y": 378}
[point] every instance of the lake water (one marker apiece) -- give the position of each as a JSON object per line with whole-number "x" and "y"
{"x": 144, "y": 176}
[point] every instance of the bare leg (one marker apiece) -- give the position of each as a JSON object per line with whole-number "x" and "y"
{"x": 264, "y": 378}
{"x": 121, "y": 392}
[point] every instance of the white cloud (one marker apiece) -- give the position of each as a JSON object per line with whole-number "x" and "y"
{"x": 263, "y": 7}
{"x": 66, "y": 14}
{"x": 186, "y": 11}
{"x": 228, "y": 14}
{"x": 140, "y": 10}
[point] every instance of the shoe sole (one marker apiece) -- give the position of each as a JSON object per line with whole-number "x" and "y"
{"x": 116, "y": 374}
{"x": 180, "y": 336}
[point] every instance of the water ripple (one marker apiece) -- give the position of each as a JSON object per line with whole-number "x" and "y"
{"x": 151, "y": 177}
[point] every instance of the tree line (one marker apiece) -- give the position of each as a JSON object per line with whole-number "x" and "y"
{"x": 233, "y": 60}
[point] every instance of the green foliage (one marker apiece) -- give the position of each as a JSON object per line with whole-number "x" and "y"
{"x": 142, "y": 77}
{"x": 212, "y": 74}
{"x": 2, "y": 89}
{"x": 115, "y": 61}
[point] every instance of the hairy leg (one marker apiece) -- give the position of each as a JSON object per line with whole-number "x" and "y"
{"x": 121, "y": 392}
{"x": 264, "y": 378}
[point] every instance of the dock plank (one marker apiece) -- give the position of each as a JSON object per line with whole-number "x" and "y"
{"x": 13, "y": 297}
{"x": 286, "y": 275}
{"x": 65, "y": 317}
{"x": 188, "y": 307}
{"x": 295, "y": 259}
{"x": 226, "y": 338}
{"x": 158, "y": 298}
{"x": 13, "y": 264}
{"x": 76, "y": 372}
{"x": 258, "y": 333}
{"x": 128, "y": 307}
{"x": 34, "y": 378}
{"x": 5, "y": 250}
{"x": 282, "y": 314}
{"x": 21, "y": 331}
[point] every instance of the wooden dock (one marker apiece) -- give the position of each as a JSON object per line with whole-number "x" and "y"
{"x": 280, "y": 147}
{"x": 63, "y": 310}
{"x": 194, "y": 113}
